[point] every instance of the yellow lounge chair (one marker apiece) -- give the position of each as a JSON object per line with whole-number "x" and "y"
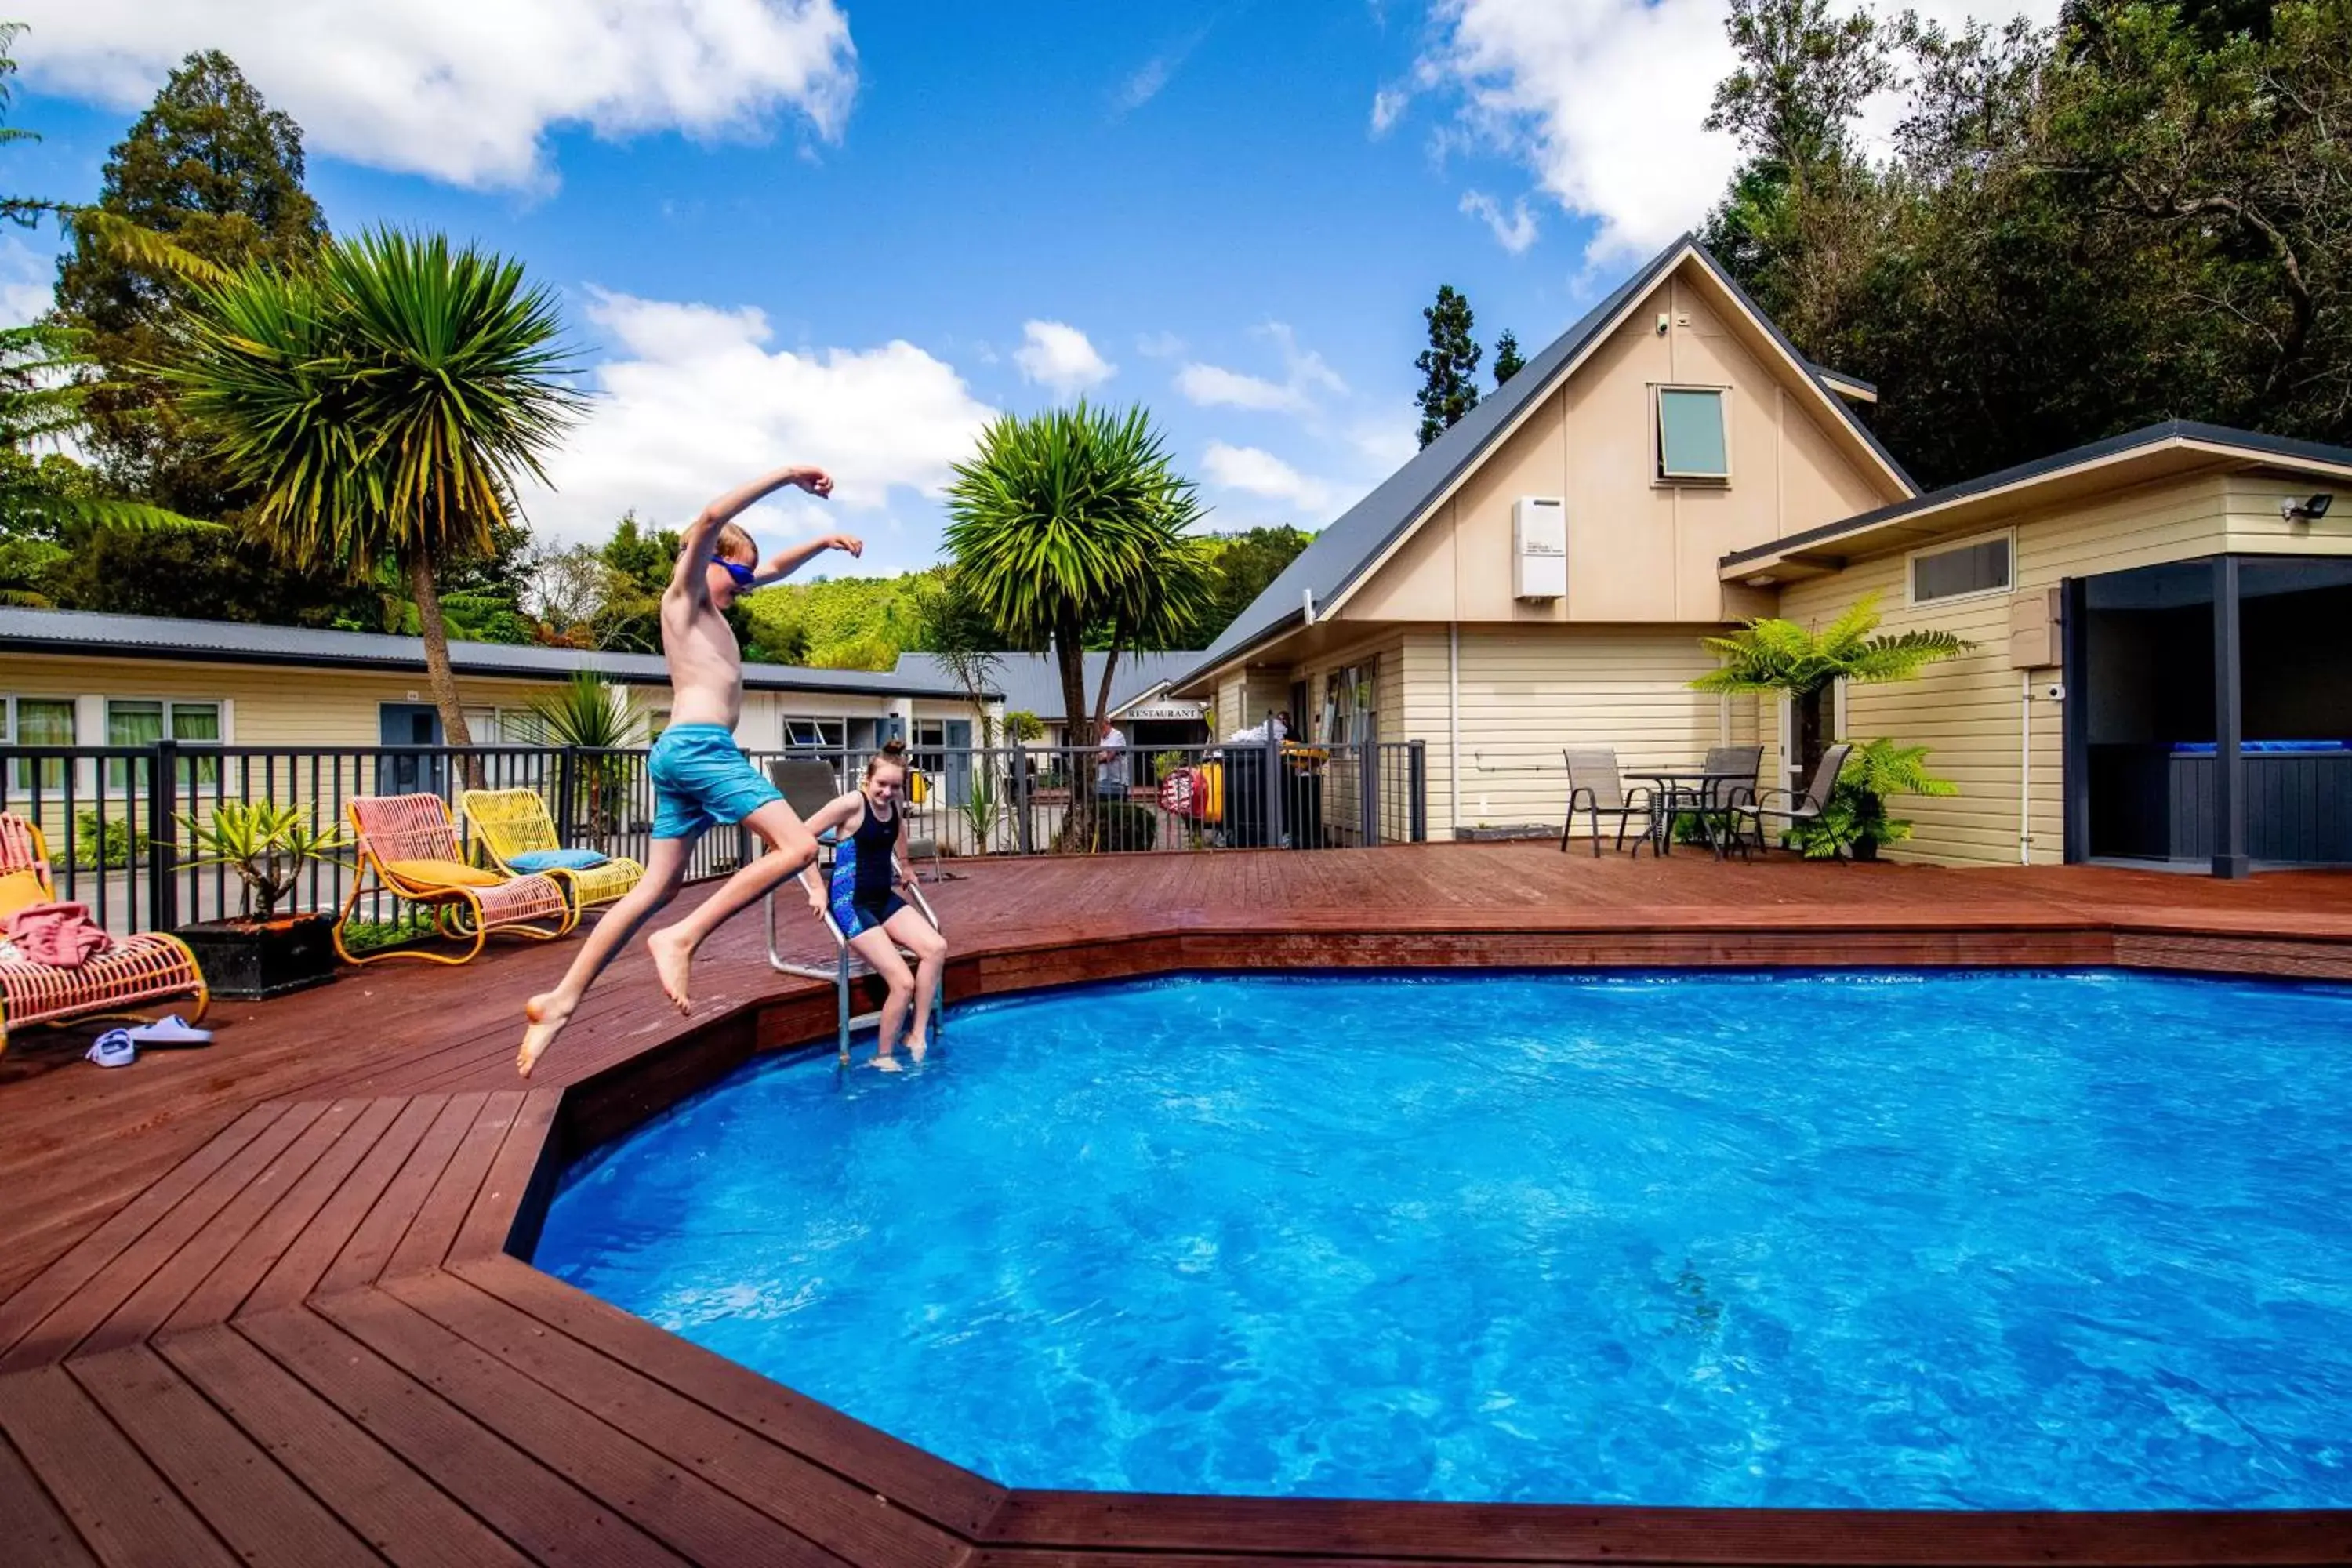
{"x": 511, "y": 822}
{"x": 143, "y": 968}
{"x": 408, "y": 847}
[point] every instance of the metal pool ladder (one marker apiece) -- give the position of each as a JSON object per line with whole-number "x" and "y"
{"x": 840, "y": 972}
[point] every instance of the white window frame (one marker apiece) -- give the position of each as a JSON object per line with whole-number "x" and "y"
{"x": 1911, "y": 599}
{"x": 832, "y": 731}
{"x": 118, "y": 774}
{"x": 1659, "y": 477}
{"x": 20, "y": 770}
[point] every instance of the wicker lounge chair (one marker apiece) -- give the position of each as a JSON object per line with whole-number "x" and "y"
{"x": 135, "y": 970}
{"x": 1595, "y": 788}
{"x": 1783, "y": 806}
{"x": 507, "y": 823}
{"x": 408, "y": 848}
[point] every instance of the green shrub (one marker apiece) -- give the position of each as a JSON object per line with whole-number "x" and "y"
{"x": 1123, "y": 825}
{"x": 368, "y": 936}
{"x": 111, "y": 848}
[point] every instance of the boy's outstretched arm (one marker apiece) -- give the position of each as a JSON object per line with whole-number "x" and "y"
{"x": 786, "y": 562}
{"x": 703, "y": 534}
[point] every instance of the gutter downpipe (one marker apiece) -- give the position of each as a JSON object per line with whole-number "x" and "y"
{"x": 1453, "y": 728}
{"x": 2025, "y": 767}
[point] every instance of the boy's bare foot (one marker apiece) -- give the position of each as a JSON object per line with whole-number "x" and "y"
{"x": 888, "y": 1064}
{"x": 673, "y": 962}
{"x": 548, "y": 1015}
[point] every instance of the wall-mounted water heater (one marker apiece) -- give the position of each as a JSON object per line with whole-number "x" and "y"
{"x": 1539, "y": 548}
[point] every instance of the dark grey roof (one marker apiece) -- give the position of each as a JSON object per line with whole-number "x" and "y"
{"x": 1822, "y": 372}
{"x": 1342, "y": 551}
{"x": 2252, "y": 442}
{"x": 233, "y": 642}
{"x": 1030, "y": 682}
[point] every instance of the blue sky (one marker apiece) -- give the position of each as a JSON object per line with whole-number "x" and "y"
{"x": 790, "y": 229}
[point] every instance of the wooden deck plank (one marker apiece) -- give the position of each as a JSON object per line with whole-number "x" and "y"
{"x": 162, "y": 1291}
{"x": 444, "y": 1209}
{"x": 548, "y": 1517}
{"x": 36, "y": 1533}
{"x": 908, "y": 1475}
{"x": 698, "y": 1519}
{"x": 526, "y": 1157}
{"x": 262, "y": 1513}
{"x": 842, "y": 1516}
{"x": 46, "y": 1291}
{"x": 128, "y": 1514}
{"x": 373, "y": 1239}
{"x": 82, "y": 1312}
{"x": 404, "y": 1516}
{"x": 297, "y": 1270}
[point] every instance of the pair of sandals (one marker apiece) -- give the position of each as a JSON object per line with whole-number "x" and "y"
{"x": 119, "y": 1048}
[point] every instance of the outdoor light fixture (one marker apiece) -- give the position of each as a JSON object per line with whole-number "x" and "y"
{"x": 1664, "y": 323}
{"x": 2310, "y": 509}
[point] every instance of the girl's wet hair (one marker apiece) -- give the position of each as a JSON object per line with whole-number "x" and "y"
{"x": 893, "y": 753}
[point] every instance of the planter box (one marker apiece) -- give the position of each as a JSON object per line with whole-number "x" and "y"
{"x": 1506, "y": 833}
{"x": 247, "y": 960}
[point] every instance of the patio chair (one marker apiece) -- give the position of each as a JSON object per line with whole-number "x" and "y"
{"x": 1595, "y": 788}
{"x": 1725, "y": 766}
{"x": 408, "y": 847}
{"x": 144, "y": 968}
{"x": 513, "y": 828}
{"x": 1784, "y": 806}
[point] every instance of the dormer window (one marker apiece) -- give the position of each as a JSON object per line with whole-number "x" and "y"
{"x": 1692, "y": 446}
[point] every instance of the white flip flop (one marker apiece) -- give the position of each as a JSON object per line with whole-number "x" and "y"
{"x": 113, "y": 1049}
{"x": 174, "y": 1030}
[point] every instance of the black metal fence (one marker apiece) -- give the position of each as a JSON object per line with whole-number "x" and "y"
{"x": 113, "y": 815}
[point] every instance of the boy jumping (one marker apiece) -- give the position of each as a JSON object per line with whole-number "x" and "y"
{"x": 700, "y": 779}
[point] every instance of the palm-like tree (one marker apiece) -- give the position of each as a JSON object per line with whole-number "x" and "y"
{"x": 383, "y": 404}
{"x": 1781, "y": 658}
{"x": 1070, "y": 521}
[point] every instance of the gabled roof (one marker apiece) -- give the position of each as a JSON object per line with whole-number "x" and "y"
{"x": 1032, "y": 682}
{"x": 2176, "y": 445}
{"x": 90, "y": 634}
{"x": 1342, "y": 554}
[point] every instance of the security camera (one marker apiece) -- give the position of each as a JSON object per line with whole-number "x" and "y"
{"x": 2310, "y": 509}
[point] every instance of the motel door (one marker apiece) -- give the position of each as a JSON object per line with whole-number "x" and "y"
{"x": 409, "y": 725}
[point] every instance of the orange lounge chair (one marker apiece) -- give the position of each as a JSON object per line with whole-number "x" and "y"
{"x": 135, "y": 970}
{"x": 408, "y": 847}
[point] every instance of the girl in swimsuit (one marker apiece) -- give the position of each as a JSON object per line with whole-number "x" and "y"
{"x": 864, "y": 904}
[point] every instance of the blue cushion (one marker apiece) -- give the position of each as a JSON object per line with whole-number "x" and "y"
{"x": 556, "y": 861}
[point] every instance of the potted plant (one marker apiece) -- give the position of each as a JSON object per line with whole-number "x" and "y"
{"x": 261, "y": 952}
{"x": 1855, "y": 820}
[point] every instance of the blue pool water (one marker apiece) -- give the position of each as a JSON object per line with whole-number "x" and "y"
{"x": 1947, "y": 1241}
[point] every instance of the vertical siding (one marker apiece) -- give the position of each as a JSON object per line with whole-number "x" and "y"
{"x": 1971, "y": 711}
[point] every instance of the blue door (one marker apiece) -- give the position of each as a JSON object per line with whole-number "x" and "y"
{"x": 409, "y": 725}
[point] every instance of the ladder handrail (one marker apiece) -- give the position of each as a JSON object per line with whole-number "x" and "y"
{"x": 839, "y": 974}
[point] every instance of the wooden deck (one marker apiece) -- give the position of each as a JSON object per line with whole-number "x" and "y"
{"x": 258, "y": 1302}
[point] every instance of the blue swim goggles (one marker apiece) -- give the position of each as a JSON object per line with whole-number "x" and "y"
{"x": 745, "y": 576}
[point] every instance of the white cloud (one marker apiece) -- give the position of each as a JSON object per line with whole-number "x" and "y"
{"x": 1388, "y": 106}
{"x": 28, "y": 282}
{"x": 1155, "y": 73}
{"x": 1258, "y": 472}
{"x": 465, "y": 91}
{"x": 1603, "y": 100}
{"x": 692, "y": 401}
{"x": 1387, "y": 444}
{"x": 1305, "y": 374}
{"x": 1513, "y": 233}
{"x": 1058, "y": 355}
{"x": 1159, "y": 345}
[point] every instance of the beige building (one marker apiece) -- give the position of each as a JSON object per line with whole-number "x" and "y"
{"x": 72, "y": 679}
{"x": 1540, "y": 576}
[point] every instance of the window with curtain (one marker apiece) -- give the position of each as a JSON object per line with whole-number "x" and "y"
{"x": 37, "y": 722}
{"x": 143, "y": 721}
{"x": 1691, "y": 440}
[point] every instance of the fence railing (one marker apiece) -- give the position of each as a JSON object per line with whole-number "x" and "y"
{"x": 113, "y": 815}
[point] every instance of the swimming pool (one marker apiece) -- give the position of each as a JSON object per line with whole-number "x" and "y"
{"x": 1810, "y": 1240}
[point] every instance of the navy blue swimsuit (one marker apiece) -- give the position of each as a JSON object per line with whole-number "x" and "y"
{"x": 863, "y": 898}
